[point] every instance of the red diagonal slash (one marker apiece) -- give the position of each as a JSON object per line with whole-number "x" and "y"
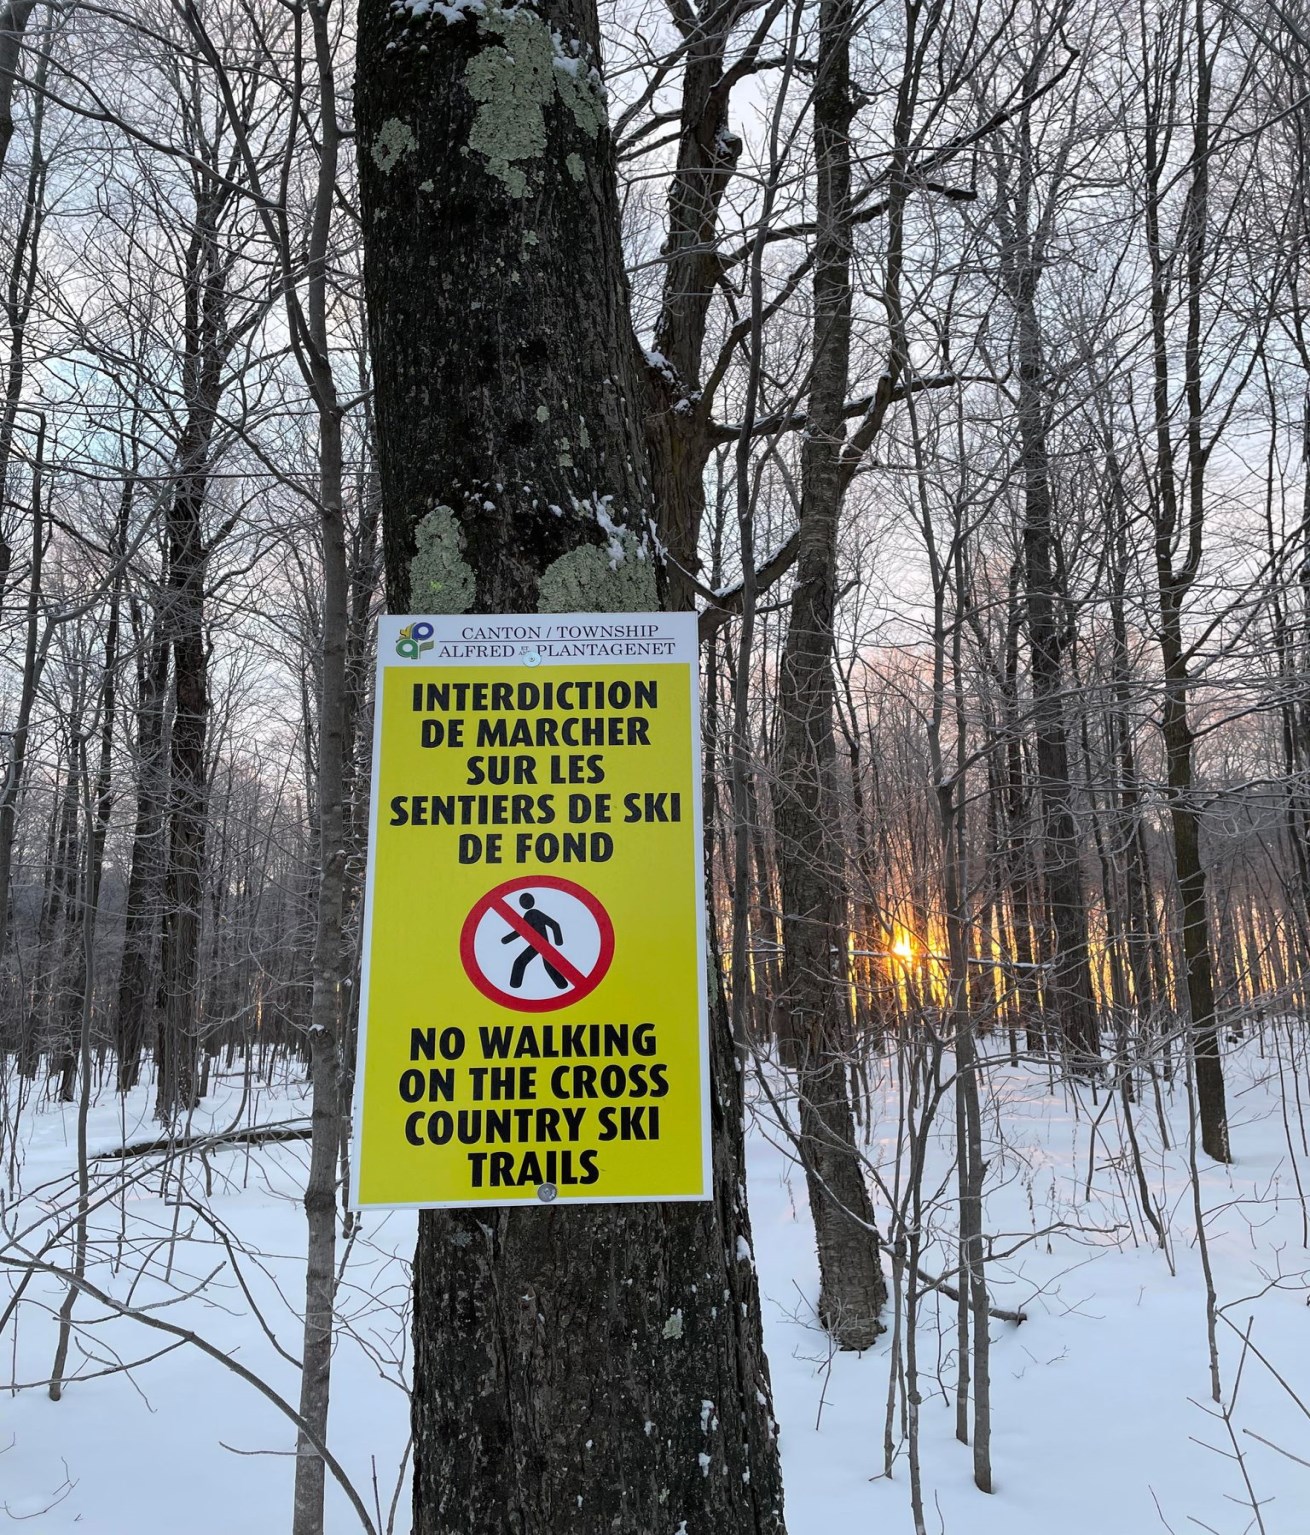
{"x": 542, "y": 945}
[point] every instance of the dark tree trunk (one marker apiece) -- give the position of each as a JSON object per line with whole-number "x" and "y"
{"x": 864, "y": 915}
{"x": 1023, "y": 252}
{"x": 1017, "y": 861}
{"x": 64, "y": 1011}
{"x": 1070, "y": 991}
{"x": 206, "y": 343}
{"x": 14, "y": 17}
{"x": 179, "y": 1023}
{"x": 1143, "y": 959}
{"x": 34, "y": 654}
{"x": 563, "y": 1357}
{"x": 20, "y": 285}
{"x": 80, "y": 997}
{"x": 678, "y": 409}
{"x": 136, "y": 980}
{"x": 811, "y": 858}
{"x": 330, "y": 960}
{"x": 19, "y": 291}
{"x": 1178, "y": 550}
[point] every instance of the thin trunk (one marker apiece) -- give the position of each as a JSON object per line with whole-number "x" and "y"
{"x": 810, "y": 852}
{"x": 35, "y": 644}
{"x": 137, "y": 978}
{"x": 1023, "y": 254}
{"x": 1174, "y": 581}
{"x": 678, "y": 415}
{"x": 98, "y": 807}
{"x": 1017, "y": 862}
{"x": 329, "y": 958}
{"x": 18, "y": 305}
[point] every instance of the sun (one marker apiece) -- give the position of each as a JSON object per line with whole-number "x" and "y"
{"x": 903, "y": 948}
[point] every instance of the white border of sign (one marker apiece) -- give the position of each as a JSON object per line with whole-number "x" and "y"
{"x": 563, "y": 639}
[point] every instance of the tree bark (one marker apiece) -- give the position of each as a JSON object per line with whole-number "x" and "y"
{"x": 1174, "y": 578}
{"x": 811, "y": 859}
{"x": 1018, "y": 864}
{"x": 329, "y": 958}
{"x": 13, "y": 23}
{"x": 678, "y": 411}
{"x": 575, "y": 1369}
{"x": 136, "y": 977}
{"x": 1024, "y": 239}
{"x": 206, "y": 342}
{"x": 34, "y": 655}
{"x": 19, "y": 291}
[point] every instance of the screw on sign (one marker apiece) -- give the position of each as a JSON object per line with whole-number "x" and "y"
{"x": 537, "y": 943}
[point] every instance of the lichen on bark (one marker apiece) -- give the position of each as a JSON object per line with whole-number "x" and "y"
{"x": 440, "y": 579}
{"x": 395, "y": 139}
{"x": 581, "y": 91}
{"x": 514, "y": 79}
{"x": 597, "y": 579}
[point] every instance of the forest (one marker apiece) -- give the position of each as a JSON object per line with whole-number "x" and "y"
{"x": 950, "y": 361}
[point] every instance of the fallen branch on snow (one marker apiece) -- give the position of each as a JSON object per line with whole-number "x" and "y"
{"x": 255, "y": 1135}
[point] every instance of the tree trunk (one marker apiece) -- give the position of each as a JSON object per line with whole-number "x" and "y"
{"x": 1017, "y": 862}
{"x": 811, "y": 858}
{"x": 136, "y": 977}
{"x": 62, "y": 1002}
{"x": 206, "y": 341}
{"x": 1071, "y": 983}
{"x": 179, "y": 1023}
{"x": 586, "y": 1368}
{"x": 329, "y": 958}
{"x": 19, "y": 292}
{"x": 14, "y": 17}
{"x": 1023, "y": 252}
{"x": 678, "y": 409}
{"x": 1174, "y": 578}
{"x": 34, "y": 655}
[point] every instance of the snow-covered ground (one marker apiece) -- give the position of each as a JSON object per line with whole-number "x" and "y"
{"x": 1102, "y": 1419}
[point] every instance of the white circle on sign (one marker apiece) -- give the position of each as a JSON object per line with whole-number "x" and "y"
{"x": 537, "y": 944}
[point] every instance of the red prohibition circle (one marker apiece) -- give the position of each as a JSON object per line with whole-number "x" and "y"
{"x": 580, "y": 985}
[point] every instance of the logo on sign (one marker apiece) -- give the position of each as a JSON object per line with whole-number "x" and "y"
{"x": 537, "y": 943}
{"x": 414, "y": 639}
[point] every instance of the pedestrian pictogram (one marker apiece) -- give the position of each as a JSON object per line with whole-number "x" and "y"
{"x": 537, "y": 943}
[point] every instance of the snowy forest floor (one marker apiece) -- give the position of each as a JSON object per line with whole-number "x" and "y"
{"x": 1101, "y": 1398}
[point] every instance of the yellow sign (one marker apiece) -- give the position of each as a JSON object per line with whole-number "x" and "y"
{"x": 533, "y": 1021}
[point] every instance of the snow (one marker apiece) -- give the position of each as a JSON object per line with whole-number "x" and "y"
{"x": 1100, "y": 1401}
{"x": 183, "y": 1443}
{"x": 1101, "y": 1414}
{"x": 659, "y": 363}
{"x": 458, "y": 10}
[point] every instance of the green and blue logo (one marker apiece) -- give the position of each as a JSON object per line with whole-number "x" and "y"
{"x": 414, "y": 639}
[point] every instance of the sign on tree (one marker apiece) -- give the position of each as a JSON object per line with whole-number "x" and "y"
{"x": 533, "y": 1020}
